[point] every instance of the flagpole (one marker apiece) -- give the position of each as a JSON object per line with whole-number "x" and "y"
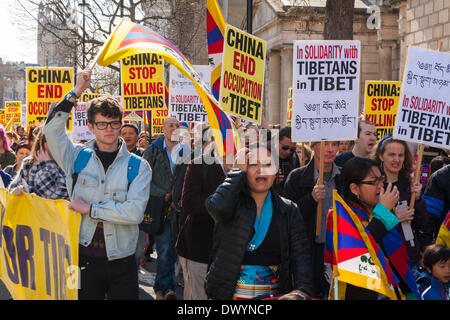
{"x": 336, "y": 290}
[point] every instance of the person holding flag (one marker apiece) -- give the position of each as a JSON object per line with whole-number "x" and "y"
{"x": 363, "y": 246}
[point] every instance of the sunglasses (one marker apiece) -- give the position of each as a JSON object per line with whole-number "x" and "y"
{"x": 374, "y": 182}
{"x": 287, "y": 148}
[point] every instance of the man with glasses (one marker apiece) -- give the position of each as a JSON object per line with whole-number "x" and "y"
{"x": 288, "y": 159}
{"x": 111, "y": 206}
{"x": 302, "y": 188}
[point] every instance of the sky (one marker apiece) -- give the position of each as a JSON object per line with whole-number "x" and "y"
{"x": 18, "y": 39}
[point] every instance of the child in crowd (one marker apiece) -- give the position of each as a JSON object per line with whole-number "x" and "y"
{"x": 434, "y": 283}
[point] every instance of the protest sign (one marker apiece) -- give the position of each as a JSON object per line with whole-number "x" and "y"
{"x": 158, "y": 118}
{"x": 142, "y": 78}
{"x": 39, "y": 258}
{"x": 242, "y": 78}
{"x": 80, "y": 123}
{"x": 380, "y": 107}
{"x": 85, "y": 97}
{"x": 289, "y": 109}
{"x": 24, "y": 115}
{"x": 46, "y": 86}
{"x": 423, "y": 114}
{"x": 185, "y": 103}
{"x": 325, "y": 90}
{"x": 13, "y": 110}
{"x": 2, "y": 117}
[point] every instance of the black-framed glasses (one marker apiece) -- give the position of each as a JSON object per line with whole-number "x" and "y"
{"x": 103, "y": 125}
{"x": 375, "y": 181}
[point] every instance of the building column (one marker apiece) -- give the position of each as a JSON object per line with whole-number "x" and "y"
{"x": 286, "y": 82}
{"x": 273, "y": 112}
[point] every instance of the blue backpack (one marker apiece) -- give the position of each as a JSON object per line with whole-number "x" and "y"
{"x": 85, "y": 154}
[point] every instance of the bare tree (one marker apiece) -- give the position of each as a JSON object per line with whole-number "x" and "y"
{"x": 339, "y": 20}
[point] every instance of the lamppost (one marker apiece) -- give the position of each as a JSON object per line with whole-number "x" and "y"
{"x": 83, "y": 6}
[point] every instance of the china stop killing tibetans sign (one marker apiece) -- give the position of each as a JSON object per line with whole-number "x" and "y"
{"x": 289, "y": 109}
{"x": 424, "y": 109}
{"x": 46, "y": 86}
{"x": 13, "y": 110}
{"x": 381, "y": 104}
{"x": 158, "y": 118}
{"x": 39, "y": 253}
{"x": 242, "y": 78}
{"x": 185, "y": 103}
{"x": 325, "y": 90}
{"x": 142, "y": 82}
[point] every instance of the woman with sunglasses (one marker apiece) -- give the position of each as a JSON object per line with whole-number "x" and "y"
{"x": 395, "y": 160}
{"x": 362, "y": 190}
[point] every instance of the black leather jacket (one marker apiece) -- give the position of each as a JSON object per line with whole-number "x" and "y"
{"x": 234, "y": 212}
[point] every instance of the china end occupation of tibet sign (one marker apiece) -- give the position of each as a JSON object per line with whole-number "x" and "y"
{"x": 242, "y": 78}
{"x": 424, "y": 109}
{"x": 325, "y": 90}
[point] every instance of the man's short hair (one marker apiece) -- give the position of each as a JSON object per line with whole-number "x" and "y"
{"x": 285, "y": 132}
{"x": 107, "y": 106}
{"x": 370, "y": 123}
{"x": 130, "y": 125}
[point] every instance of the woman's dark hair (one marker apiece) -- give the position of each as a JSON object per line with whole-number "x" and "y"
{"x": 437, "y": 163}
{"x": 435, "y": 253}
{"x": 407, "y": 163}
{"x": 355, "y": 171}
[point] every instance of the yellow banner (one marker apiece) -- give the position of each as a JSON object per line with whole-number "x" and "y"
{"x": 2, "y": 117}
{"x": 46, "y": 86}
{"x": 242, "y": 79}
{"x": 143, "y": 82}
{"x": 85, "y": 97}
{"x": 289, "y": 109}
{"x": 13, "y": 110}
{"x": 158, "y": 118}
{"x": 380, "y": 107}
{"x": 39, "y": 258}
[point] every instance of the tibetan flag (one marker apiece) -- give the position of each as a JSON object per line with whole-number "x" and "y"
{"x": 353, "y": 254}
{"x": 395, "y": 249}
{"x": 130, "y": 38}
{"x": 166, "y": 96}
{"x": 443, "y": 236}
{"x": 215, "y": 30}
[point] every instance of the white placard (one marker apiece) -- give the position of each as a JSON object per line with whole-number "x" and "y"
{"x": 184, "y": 102}
{"x": 423, "y": 114}
{"x": 80, "y": 123}
{"x": 325, "y": 90}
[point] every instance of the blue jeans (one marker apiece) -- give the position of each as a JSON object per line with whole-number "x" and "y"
{"x": 165, "y": 260}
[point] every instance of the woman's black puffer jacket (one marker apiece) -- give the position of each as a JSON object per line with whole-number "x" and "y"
{"x": 234, "y": 212}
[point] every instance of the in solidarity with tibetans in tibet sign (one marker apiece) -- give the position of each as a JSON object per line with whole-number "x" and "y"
{"x": 13, "y": 110}
{"x": 242, "y": 78}
{"x": 46, "y": 86}
{"x": 39, "y": 252}
{"x": 185, "y": 103}
{"x": 143, "y": 82}
{"x": 424, "y": 109}
{"x": 381, "y": 104}
{"x": 325, "y": 90}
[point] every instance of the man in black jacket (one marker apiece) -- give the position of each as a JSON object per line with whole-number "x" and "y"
{"x": 301, "y": 187}
{"x": 234, "y": 207}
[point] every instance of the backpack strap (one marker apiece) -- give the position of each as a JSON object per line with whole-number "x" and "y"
{"x": 133, "y": 168}
{"x": 80, "y": 163}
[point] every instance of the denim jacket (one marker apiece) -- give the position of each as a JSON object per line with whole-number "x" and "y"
{"x": 118, "y": 207}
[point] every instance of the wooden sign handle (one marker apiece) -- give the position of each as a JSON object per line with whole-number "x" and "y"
{"x": 320, "y": 181}
{"x": 417, "y": 173}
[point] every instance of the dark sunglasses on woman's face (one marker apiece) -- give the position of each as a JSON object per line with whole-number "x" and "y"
{"x": 375, "y": 181}
{"x": 287, "y": 148}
